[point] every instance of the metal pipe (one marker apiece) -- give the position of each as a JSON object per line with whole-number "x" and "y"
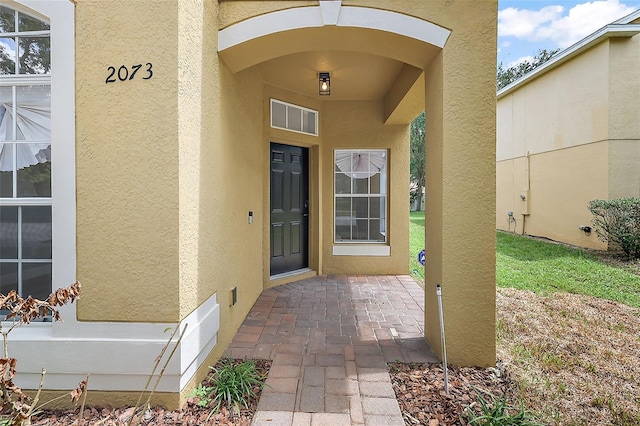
{"x": 442, "y": 339}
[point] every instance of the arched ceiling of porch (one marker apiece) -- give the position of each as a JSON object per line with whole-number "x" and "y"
{"x": 365, "y": 63}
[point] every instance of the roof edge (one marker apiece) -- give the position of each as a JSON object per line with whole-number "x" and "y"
{"x": 629, "y": 18}
{"x": 609, "y": 31}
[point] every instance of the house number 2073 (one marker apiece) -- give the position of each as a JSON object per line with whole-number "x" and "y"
{"x": 125, "y": 73}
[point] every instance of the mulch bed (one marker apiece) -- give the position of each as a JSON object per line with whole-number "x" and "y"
{"x": 421, "y": 393}
{"x": 190, "y": 415}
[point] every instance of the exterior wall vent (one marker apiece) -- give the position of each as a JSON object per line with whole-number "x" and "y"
{"x": 294, "y": 118}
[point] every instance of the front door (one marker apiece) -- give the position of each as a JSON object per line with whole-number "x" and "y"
{"x": 289, "y": 208}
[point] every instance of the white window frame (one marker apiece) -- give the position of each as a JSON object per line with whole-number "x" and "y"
{"x": 362, "y": 247}
{"x": 287, "y": 106}
{"x": 60, "y": 16}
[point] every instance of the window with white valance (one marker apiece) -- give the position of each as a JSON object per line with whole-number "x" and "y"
{"x": 360, "y": 192}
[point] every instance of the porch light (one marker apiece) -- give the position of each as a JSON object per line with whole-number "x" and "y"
{"x": 324, "y": 83}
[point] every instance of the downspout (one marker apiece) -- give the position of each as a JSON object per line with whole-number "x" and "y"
{"x": 526, "y": 195}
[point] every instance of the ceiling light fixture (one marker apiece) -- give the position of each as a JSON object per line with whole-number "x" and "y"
{"x": 324, "y": 83}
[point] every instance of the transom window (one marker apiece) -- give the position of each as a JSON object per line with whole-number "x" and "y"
{"x": 360, "y": 189}
{"x": 25, "y": 154}
{"x": 293, "y": 117}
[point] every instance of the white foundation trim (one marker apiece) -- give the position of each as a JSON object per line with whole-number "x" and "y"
{"x": 332, "y": 14}
{"x": 361, "y": 250}
{"x": 119, "y": 356}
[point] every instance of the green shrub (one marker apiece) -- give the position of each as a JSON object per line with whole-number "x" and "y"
{"x": 232, "y": 385}
{"x": 618, "y": 221}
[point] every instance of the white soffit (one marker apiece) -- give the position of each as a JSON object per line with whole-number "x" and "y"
{"x": 609, "y": 31}
{"x": 332, "y": 13}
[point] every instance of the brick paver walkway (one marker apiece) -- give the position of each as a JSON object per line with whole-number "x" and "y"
{"x": 329, "y": 338}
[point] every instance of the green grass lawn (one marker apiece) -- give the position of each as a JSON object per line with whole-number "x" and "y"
{"x": 416, "y": 243}
{"x": 544, "y": 267}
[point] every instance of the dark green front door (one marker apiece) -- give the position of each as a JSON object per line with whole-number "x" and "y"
{"x": 289, "y": 208}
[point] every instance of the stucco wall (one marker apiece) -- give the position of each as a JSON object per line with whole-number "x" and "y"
{"x": 460, "y": 152}
{"x": 231, "y": 186}
{"x": 352, "y": 125}
{"x": 561, "y": 183}
{"x": 220, "y": 156}
{"x": 566, "y": 107}
{"x": 624, "y": 113}
{"x": 579, "y": 125}
{"x": 127, "y": 161}
{"x": 221, "y": 160}
{"x": 624, "y": 88}
{"x": 624, "y": 168}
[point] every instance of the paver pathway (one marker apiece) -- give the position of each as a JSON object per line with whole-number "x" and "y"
{"x": 330, "y": 338}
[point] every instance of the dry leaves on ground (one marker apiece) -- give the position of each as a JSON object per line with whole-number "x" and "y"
{"x": 576, "y": 358}
{"x": 190, "y": 415}
{"x": 422, "y": 398}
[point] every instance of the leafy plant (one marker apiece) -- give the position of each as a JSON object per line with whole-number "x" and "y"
{"x": 497, "y": 412}
{"x": 618, "y": 221}
{"x": 234, "y": 384}
{"x": 203, "y": 393}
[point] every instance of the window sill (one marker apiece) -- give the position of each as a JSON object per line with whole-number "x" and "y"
{"x": 361, "y": 250}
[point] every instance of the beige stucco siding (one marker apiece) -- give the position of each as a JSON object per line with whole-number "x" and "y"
{"x": 566, "y": 107}
{"x": 460, "y": 151}
{"x": 624, "y": 84}
{"x": 191, "y": 43}
{"x": 352, "y": 125}
{"x": 220, "y": 177}
{"x": 624, "y": 118}
{"x": 578, "y": 124}
{"x": 562, "y": 182}
{"x": 624, "y": 168}
{"x": 231, "y": 186}
{"x": 127, "y": 162}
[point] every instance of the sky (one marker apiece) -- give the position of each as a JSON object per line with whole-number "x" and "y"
{"x": 526, "y": 26}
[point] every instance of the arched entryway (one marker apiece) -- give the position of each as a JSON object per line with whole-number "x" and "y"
{"x": 385, "y": 67}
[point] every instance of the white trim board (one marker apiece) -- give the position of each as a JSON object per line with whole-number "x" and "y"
{"x": 361, "y": 250}
{"x": 332, "y": 13}
{"x": 119, "y": 356}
